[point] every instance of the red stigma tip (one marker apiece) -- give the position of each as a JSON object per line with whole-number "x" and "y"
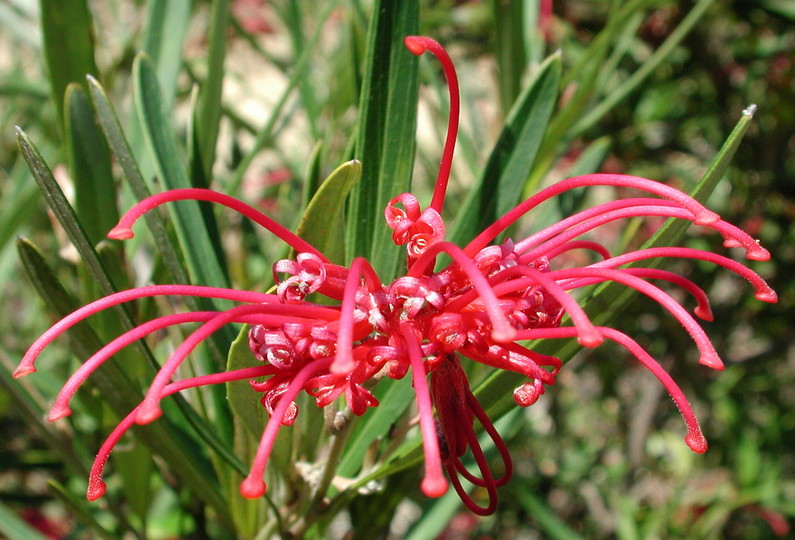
{"x": 21, "y": 371}
{"x": 96, "y": 489}
{"x": 768, "y": 296}
{"x": 120, "y": 233}
{"x": 711, "y": 361}
{"x": 704, "y": 313}
{"x": 697, "y": 442}
{"x": 435, "y": 486}
{"x": 414, "y": 44}
{"x": 252, "y": 488}
{"x": 758, "y": 254}
{"x": 56, "y": 413}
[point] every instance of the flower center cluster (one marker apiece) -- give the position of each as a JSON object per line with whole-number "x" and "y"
{"x": 443, "y": 309}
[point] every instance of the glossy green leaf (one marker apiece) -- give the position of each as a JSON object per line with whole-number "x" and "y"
{"x": 322, "y": 224}
{"x": 386, "y": 136}
{"x": 89, "y": 164}
{"x": 68, "y": 33}
{"x": 500, "y": 186}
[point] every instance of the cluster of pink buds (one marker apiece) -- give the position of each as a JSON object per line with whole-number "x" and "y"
{"x": 485, "y": 305}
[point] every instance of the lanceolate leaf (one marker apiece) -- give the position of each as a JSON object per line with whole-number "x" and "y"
{"x": 322, "y": 224}
{"x": 209, "y": 106}
{"x": 68, "y": 45}
{"x": 109, "y": 122}
{"x": 89, "y": 163}
{"x": 202, "y": 257}
{"x": 166, "y": 27}
{"x": 387, "y": 125}
{"x": 500, "y": 186}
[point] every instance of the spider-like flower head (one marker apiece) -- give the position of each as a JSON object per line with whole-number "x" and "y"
{"x": 485, "y": 306}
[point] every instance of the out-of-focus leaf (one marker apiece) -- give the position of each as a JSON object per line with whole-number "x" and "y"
{"x": 68, "y": 45}
{"x": 299, "y": 68}
{"x": 542, "y": 515}
{"x": 647, "y": 68}
{"x": 322, "y": 224}
{"x": 77, "y": 508}
{"x": 386, "y": 136}
{"x": 500, "y": 186}
{"x": 14, "y": 527}
{"x": 89, "y": 164}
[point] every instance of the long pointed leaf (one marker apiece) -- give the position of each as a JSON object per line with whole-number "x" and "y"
{"x": 68, "y": 34}
{"x": 387, "y": 125}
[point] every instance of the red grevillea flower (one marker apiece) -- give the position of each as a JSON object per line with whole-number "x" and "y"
{"x": 480, "y": 306}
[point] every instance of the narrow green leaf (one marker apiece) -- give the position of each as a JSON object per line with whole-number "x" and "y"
{"x": 78, "y": 510}
{"x": 14, "y": 527}
{"x": 500, "y": 186}
{"x": 166, "y": 27}
{"x": 436, "y": 519}
{"x": 209, "y": 109}
{"x": 322, "y": 224}
{"x": 387, "y": 130}
{"x": 68, "y": 219}
{"x": 192, "y": 230}
{"x": 109, "y": 122}
{"x": 542, "y": 515}
{"x": 510, "y": 51}
{"x": 376, "y": 424}
{"x": 89, "y": 164}
{"x": 69, "y": 38}
{"x": 244, "y": 401}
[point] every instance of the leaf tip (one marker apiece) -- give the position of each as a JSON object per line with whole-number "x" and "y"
{"x": 750, "y": 110}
